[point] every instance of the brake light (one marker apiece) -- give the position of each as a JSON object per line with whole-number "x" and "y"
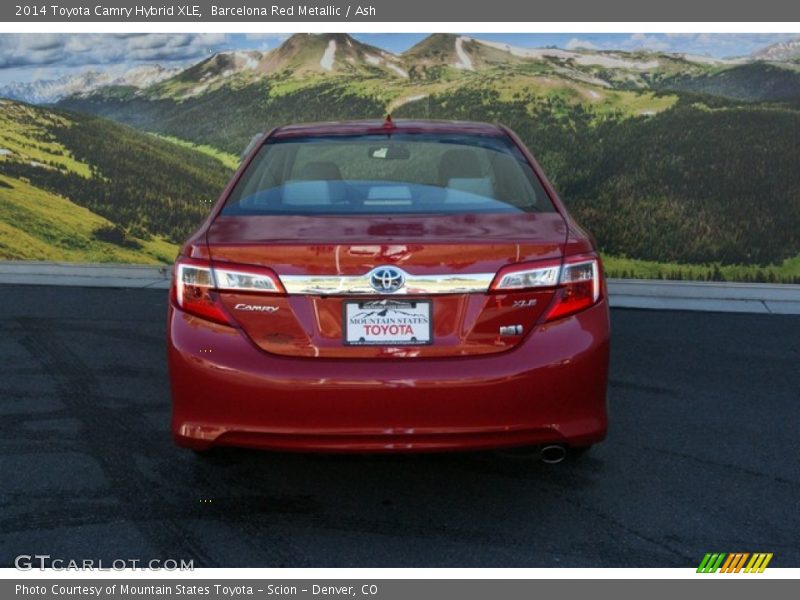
{"x": 576, "y": 282}
{"x": 197, "y": 284}
{"x": 193, "y": 286}
{"x": 579, "y": 288}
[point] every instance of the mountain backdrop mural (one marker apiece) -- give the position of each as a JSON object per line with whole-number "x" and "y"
{"x": 682, "y": 165}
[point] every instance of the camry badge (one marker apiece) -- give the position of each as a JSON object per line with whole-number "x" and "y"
{"x": 257, "y": 308}
{"x": 387, "y": 280}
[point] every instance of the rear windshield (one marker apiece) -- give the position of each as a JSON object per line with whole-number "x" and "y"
{"x": 388, "y": 174}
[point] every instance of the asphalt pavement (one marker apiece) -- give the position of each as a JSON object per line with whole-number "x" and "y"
{"x": 702, "y": 456}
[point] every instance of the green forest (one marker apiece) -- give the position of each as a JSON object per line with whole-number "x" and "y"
{"x": 694, "y": 184}
{"x": 145, "y": 186}
{"x": 709, "y": 181}
{"x": 686, "y": 171}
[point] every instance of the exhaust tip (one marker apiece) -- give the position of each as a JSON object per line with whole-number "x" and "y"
{"x": 553, "y": 454}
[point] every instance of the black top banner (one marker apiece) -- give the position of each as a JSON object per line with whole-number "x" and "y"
{"x": 403, "y": 10}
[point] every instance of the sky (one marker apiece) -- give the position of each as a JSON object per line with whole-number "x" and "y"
{"x": 42, "y": 56}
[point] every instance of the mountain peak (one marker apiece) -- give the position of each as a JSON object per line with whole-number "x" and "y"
{"x": 782, "y": 51}
{"x": 45, "y": 91}
{"x": 329, "y": 53}
{"x": 457, "y": 51}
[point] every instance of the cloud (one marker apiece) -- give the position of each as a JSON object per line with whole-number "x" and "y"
{"x": 577, "y": 44}
{"x": 266, "y": 37}
{"x": 731, "y": 44}
{"x": 720, "y": 45}
{"x": 643, "y": 41}
{"x": 46, "y": 41}
{"x": 263, "y": 41}
{"x": 26, "y": 56}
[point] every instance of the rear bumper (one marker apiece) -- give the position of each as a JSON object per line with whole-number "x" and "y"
{"x": 551, "y": 388}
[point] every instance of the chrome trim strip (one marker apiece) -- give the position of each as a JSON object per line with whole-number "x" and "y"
{"x": 324, "y": 285}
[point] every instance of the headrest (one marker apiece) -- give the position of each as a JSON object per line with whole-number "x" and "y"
{"x": 318, "y": 171}
{"x": 458, "y": 164}
{"x": 469, "y": 189}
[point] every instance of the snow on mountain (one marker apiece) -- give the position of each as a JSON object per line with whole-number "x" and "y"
{"x": 782, "y": 51}
{"x": 329, "y": 53}
{"x": 46, "y": 91}
{"x": 602, "y": 59}
{"x": 464, "y": 61}
{"x": 337, "y": 54}
{"x": 326, "y": 62}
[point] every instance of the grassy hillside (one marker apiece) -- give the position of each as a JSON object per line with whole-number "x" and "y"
{"x": 693, "y": 181}
{"x": 227, "y": 117}
{"x": 681, "y": 166}
{"x": 229, "y": 160}
{"x": 39, "y": 225}
{"x": 146, "y": 185}
{"x": 788, "y": 271}
{"x": 753, "y": 82}
{"x": 692, "y": 184}
{"x": 25, "y": 137}
{"x": 223, "y": 118}
{"x": 701, "y": 184}
{"x": 78, "y": 187}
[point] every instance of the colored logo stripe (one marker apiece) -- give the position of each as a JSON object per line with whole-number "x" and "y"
{"x": 758, "y": 563}
{"x": 711, "y": 563}
{"x": 734, "y": 562}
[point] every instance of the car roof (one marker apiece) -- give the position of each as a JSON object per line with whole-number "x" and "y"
{"x": 379, "y": 126}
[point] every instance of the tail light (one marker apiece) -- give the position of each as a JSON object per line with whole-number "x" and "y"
{"x": 196, "y": 285}
{"x": 579, "y": 288}
{"x": 576, "y": 282}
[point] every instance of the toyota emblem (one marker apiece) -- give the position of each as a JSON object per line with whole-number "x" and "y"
{"x": 387, "y": 280}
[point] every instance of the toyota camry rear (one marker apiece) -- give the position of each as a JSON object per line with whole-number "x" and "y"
{"x": 389, "y": 286}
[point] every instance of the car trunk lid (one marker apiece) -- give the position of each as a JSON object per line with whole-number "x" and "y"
{"x": 463, "y": 251}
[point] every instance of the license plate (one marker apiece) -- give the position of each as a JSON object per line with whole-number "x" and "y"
{"x": 387, "y": 322}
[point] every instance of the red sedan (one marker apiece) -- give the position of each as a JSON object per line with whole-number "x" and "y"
{"x": 389, "y": 286}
